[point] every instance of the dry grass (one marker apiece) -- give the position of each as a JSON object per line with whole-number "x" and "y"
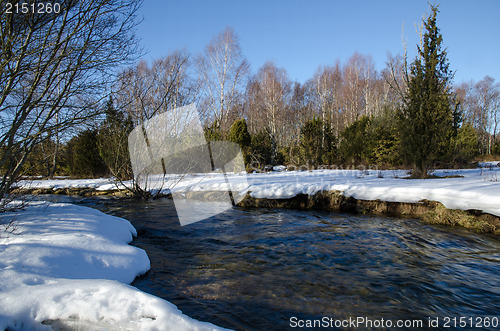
{"x": 455, "y": 217}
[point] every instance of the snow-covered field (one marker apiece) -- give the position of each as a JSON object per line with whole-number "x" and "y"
{"x": 67, "y": 267}
{"x": 477, "y": 189}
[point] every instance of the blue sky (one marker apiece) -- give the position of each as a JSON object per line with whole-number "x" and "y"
{"x": 301, "y": 35}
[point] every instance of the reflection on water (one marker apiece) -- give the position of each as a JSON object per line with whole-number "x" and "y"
{"x": 255, "y": 269}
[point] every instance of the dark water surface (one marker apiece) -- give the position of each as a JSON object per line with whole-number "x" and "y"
{"x": 256, "y": 269}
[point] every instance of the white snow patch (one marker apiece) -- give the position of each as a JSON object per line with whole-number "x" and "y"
{"x": 66, "y": 267}
{"x": 476, "y": 189}
{"x": 279, "y": 168}
{"x": 488, "y": 164}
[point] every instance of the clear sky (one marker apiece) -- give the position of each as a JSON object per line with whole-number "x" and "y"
{"x": 301, "y": 35}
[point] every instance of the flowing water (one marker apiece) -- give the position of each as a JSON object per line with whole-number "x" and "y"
{"x": 256, "y": 269}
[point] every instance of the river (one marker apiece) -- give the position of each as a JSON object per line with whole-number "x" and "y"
{"x": 269, "y": 269}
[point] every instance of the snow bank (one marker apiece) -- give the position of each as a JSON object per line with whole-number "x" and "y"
{"x": 65, "y": 267}
{"x": 475, "y": 189}
{"x": 488, "y": 164}
{"x": 100, "y": 184}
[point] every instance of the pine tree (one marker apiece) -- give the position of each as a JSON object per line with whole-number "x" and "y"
{"x": 317, "y": 143}
{"x": 426, "y": 119}
{"x": 239, "y": 133}
{"x": 466, "y": 145}
{"x": 113, "y": 142}
{"x": 84, "y": 158}
{"x": 213, "y": 132}
{"x": 261, "y": 149}
{"x": 384, "y": 151}
{"x": 355, "y": 146}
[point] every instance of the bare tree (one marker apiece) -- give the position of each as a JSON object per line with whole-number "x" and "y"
{"x": 357, "y": 77}
{"x": 222, "y": 69}
{"x": 145, "y": 91}
{"x": 481, "y": 104}
{"x": 326, "y": 84}
{"x": 396, "y": 77}
{"x": 300, "y": 111}
{"x": 487, "y": 97}
{"x": 54, "y": 69}
{"x": 269, "y": 104}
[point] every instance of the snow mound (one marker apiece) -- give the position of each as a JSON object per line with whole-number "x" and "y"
{"x": 65, "y": 267}
{"x": 488, "y": 164}
{"x": 465, "y": 189}
{"x": 90, "y": 305}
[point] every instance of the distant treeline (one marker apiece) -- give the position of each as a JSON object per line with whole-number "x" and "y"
{"x": 368, "y": 142}
{"x": 346, "y": 114}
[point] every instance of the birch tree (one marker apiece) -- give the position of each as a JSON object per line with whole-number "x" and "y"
{"x": 487, "y": 109}
{"x": 144, "y": 90}
{"x": 270, "y": 93}
{"x": 327, "y": 82}
{"x": 222, "y": 70}
{"x": 148, "y": 93}
{"x": 481, "y": 104}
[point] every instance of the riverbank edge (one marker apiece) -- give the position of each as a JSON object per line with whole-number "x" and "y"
{"x": 430, "y": 212}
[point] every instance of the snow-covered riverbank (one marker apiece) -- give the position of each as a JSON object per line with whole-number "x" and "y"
{"x": 470, "y": 189}
{"x": 67, "y": 266}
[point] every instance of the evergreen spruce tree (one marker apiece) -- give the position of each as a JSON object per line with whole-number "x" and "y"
{"x": 84, "y": 158}
{"x": 239, "y": 133}
{"x": 213, "y": 132}
{"x": 383, "y": 147}
{"x": 113, "y": 142}
{"x": 426, "y": 119}
{"x": 261, "y": 149}
{"x": 355, "y": 146}
{"x": 317, "y": 145}
{"x": 466, "y": 145}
